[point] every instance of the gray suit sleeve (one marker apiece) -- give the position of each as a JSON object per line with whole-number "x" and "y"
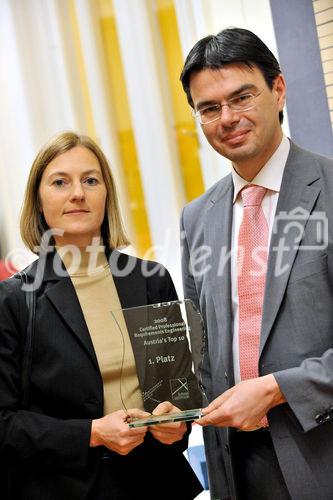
{"x": 309, "y": 390}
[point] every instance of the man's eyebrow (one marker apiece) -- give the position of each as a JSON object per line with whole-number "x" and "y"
{"x": 203, "y": 104}
{"x": 243, "y": 88}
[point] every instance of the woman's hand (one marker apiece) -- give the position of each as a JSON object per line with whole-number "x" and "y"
{"x": 113, "y": 431}
{"x": 169, "y": 432}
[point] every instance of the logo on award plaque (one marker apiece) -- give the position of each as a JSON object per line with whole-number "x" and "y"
{"x": 167, "y": 340}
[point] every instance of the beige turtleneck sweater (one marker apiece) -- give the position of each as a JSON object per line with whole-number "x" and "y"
{"x": 98, "y": 298}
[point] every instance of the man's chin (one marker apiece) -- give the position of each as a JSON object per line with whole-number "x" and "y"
{"x": 236, "y": 152}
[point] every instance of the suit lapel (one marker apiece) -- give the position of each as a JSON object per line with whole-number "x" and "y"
{"x": 64, "y": 299}
{"x": 218, "y": 238}
{"x": 131, "y": 288}
{"x": 296, "y": 200}
{"x": 132, "y": 292}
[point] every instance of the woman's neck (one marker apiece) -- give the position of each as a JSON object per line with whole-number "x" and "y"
{"x": 83, "y": 260}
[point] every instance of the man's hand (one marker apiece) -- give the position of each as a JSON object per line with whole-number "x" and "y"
{"x": 113, "y": 431}
{"x": 169, "y": 432}
{"x": 244, "y": 405}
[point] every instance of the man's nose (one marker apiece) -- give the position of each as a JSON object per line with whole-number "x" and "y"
{"x": 228, "y": 116}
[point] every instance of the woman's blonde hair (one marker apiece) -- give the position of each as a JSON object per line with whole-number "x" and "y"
{"x": 32, "y": 222}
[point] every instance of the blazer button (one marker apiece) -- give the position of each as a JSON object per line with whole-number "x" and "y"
{"x": 227, "y": 449}
{"x": 319, "y": 419}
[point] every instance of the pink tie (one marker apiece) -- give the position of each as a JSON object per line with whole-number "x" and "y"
{"x": 252, "y": 266}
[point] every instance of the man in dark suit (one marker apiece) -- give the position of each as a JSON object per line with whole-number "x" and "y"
{"x": 257, "y": 261}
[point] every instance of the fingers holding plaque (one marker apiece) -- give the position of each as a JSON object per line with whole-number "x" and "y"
{"x": 181, "y": 416}
{"x": 167, "y": 340}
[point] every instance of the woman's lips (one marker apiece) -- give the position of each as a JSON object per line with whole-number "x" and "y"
{"x": 76, "y": 212}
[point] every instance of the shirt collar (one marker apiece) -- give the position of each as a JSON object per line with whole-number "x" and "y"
{"x": 270, "y": 176}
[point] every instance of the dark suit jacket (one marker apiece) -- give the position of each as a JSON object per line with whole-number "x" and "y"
{"x": 297, "y": 326}
{"x": 46, "y": 447}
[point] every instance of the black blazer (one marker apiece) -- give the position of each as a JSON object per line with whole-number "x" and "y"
{"x": 46, "y": 448}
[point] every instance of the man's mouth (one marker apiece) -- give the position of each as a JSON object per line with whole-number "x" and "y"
{"x": 235, "y": 137}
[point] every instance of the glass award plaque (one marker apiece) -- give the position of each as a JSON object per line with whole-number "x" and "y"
{"x": 167, "y": 340}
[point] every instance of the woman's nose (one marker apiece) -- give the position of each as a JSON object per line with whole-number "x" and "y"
{"x": 77, "y": 191}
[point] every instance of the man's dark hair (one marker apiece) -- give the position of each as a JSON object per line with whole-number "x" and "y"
{"x": 232, "y": 45}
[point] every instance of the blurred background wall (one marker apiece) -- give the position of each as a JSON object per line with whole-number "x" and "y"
{"x": 110, "y": 69}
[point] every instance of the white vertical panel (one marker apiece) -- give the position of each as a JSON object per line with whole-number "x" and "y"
{"x": 227, "y": 14}
{"x": 43, "y": 61}
{"x": 92, "y": 51}
{"x": 191, "y": 26}
{"x": 194, "y": 23}
{"x": 15, "y": 132}
{"x": 156, "y": 151}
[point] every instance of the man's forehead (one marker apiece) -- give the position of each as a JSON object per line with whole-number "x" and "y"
{"x": 228, "y": 70}
{"x": 229, "y": 79}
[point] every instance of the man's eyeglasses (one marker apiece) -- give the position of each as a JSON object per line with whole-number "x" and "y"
{"x": 242, "y": 102}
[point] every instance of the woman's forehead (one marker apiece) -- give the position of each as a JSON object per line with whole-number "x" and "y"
{"x": 75, "y": 160}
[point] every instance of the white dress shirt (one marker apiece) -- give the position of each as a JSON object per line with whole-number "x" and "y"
{"x": 269, "y": 177}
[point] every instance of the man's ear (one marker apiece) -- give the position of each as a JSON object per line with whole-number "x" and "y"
{"x": 279, "y": 87}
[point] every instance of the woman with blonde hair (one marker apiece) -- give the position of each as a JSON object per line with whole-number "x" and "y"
{"x": 64, "y": 432}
